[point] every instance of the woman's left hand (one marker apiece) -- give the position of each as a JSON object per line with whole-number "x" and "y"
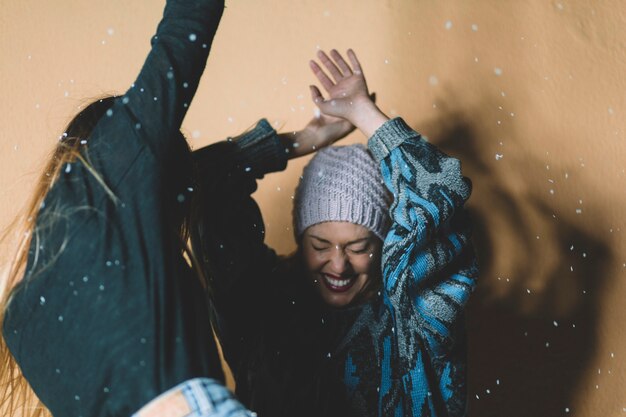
{"x": 320, "y": 132}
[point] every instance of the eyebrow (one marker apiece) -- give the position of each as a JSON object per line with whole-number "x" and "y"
{"x": 352, "y": 242}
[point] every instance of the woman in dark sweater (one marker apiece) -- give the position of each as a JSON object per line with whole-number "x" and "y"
{"x": 366, "y": 318}
{"x": 101, "y": 314}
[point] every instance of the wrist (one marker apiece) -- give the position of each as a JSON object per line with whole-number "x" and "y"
{"x": 367, "y": 117}
{"x": 295, "y": 144}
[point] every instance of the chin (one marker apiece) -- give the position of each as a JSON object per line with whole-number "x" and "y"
{"x": 333, "y": 300}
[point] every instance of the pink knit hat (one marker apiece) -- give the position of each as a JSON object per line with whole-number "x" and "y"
{"x": 344, "y": 184}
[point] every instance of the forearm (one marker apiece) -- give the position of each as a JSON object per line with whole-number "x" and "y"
{"x": 298, "y": 143}
{"x": 291, "y": 142}
{"x": 440, "y": 305}
{"x": 260, "y": 151}
{"x": 149, "y": 114}
{"x": 162, "y": 92}
{"x": 254, "y": 153}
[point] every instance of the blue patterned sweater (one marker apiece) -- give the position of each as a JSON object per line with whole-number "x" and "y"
{"x": 401, "y": 353}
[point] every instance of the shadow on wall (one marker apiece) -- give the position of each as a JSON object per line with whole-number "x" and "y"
{"x": 532, "y": 321}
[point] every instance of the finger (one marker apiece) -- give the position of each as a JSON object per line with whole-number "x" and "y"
{"x": 324, "y": 106}
{"x": 330, "y": 66}
{"x": 356, "y": 65}
{"x": 343, "y": 65}
{"x": 316, "y": 95}
{"x": 321, "y": 76}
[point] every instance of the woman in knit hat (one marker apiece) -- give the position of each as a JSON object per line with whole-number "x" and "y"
{"x": 366, "y": 317}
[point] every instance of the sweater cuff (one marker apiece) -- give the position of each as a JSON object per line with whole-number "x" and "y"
{"x": 389, "y": 136}
{"x": 260, "y": 151}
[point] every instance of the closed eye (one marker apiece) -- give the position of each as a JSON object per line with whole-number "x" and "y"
{"x": 359, "y": 250}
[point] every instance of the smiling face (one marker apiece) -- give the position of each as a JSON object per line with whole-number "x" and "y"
{"x": 341, "y": 258}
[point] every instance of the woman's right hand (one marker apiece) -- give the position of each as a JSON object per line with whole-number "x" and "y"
{"x": 349, "y": 97}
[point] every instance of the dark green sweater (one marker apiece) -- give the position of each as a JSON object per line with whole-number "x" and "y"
{"x": 109, "y": 314}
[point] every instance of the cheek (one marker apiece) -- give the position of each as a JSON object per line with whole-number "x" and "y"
{"x": 312, "y": 260}
{"x": 371, "y": 262}
{"x": 365, "y": 265}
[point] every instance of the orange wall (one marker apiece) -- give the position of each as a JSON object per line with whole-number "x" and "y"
{"x": 530, "y": 95}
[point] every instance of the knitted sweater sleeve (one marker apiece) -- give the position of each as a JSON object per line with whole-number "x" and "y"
{"x": 428, "y": 261}
{"x": 228, "y": 236}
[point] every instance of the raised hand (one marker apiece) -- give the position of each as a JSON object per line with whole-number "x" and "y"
{"x": 346, "y": 87}
{"x": 349, "y": 97}
{"x": 321, "y": 131}
{"x": 324, "y": 130}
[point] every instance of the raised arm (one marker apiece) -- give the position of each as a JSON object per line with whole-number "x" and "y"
{"x": 427, "y": 256}
{"x": 160, "y": 97}
{"x": 149, "y": 115}
{"x": 229, "y": 234}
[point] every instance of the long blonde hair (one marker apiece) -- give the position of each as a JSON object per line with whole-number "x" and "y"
{"x": 15, "y": 392}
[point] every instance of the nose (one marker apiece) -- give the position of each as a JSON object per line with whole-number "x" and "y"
{"x": 338, "y": 261}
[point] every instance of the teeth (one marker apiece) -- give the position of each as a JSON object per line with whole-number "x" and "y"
{"x": 337, "y": 282}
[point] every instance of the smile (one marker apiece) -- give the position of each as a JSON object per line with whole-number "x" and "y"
{"x": 336, "y": 283}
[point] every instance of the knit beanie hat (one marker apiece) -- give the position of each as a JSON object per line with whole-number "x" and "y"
{"x": 342, "y": 183}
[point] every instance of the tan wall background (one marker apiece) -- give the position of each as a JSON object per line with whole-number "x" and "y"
{"x": 530, "y": 95}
